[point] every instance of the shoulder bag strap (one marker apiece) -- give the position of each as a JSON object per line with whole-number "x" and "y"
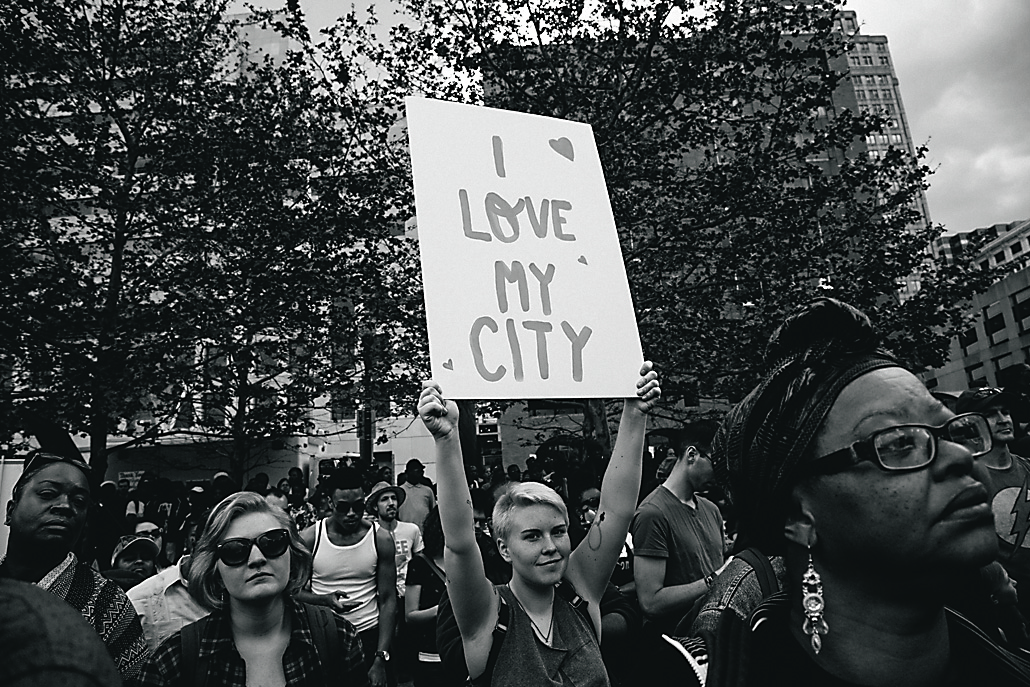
{"x": 326, "y": 639}
{"x": 433, "y": 566}
{"x": 763, "y": 569}
{"x": 193, "y": 667}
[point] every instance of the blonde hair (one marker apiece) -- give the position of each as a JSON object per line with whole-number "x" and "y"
{"x": 205, "y": 583}
{"x": 521, "y": 495}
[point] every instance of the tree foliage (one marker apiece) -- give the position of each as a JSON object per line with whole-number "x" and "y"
{"x": 192, "y": 224}
{"x": 734, "y": 159}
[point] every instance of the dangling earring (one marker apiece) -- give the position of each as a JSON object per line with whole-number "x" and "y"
{"x": 813, "y": 604}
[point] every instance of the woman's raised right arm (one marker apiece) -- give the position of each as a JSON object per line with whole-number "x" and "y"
{"x": 472, "y": 596}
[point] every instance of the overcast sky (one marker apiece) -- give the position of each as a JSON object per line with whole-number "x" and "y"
{"x": 964, "y": 70}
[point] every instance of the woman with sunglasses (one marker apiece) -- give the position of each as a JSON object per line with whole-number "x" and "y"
{"x": 248, "y": 563}
{"x": 872, "y": 490}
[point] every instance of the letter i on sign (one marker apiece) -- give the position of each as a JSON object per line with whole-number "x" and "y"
{"x": 498, "y": 156}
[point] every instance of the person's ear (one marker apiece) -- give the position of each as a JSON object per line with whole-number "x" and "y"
{"x": 799, "y": 526}
{"x": 502, "y": 549}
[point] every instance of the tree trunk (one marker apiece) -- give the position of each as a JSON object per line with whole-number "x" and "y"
{"x": 467, "y": 433}
{"x": 595, "y": 425}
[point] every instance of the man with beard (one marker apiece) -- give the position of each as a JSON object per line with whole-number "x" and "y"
{"x": 46, "y": 514}
{"x": 383, "y": 504}
{"x": 354, "y": 572}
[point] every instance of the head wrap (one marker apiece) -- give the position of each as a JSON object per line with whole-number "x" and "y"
{"x": 812, "y": 356}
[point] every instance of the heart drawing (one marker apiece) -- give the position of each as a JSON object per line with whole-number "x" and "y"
{"x": 583, "y": 259}
{"x": 449, "y": 365}
{"x": 563, "y": 147}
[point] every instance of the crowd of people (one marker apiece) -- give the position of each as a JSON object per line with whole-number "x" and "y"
{"x": 841, "y": 526}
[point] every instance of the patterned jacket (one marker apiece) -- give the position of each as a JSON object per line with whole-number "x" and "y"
{"x": 104, "y": 606}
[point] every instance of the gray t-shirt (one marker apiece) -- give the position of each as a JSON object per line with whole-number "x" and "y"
{"x": 689, "y": 539}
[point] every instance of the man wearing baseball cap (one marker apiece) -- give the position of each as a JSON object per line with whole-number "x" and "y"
{"x": 1009, "y": 484}
{"x": 134, "y": 560}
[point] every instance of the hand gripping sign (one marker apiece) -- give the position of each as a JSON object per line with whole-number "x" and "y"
{"x": 525, "y": 287}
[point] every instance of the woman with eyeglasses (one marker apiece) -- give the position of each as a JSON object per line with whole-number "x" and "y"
{"x": 872, "y": 490}
{"x": 248, "y": 563}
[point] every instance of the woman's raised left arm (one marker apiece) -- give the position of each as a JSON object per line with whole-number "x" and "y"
{"x": 592, "y": 562}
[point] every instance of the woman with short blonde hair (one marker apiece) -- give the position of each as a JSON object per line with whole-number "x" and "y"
{"x": 527, "y": 632}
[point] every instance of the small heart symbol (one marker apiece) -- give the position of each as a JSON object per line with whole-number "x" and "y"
{"x": 449, "y": 365}
{"x": 563, "y": 147}
{"x": 583, "y": 259}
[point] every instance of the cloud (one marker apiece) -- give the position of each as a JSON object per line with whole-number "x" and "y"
{"x": 964, "y": 71}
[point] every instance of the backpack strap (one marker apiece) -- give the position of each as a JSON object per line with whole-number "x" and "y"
{"x": 567, "y": 591}
{"x": 500, "y": 630}
{"x": 326, "y": 639}
{"x": 763, "y": 570}
{"x": 194, "y": 668}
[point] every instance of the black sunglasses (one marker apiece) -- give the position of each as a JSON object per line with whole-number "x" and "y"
{"x": 344, "y": 507}
{"x": 236, "y": 552}
{"x": 908, "y": 447}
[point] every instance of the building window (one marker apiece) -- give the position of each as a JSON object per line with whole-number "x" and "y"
{"x": 873, "y": 95}
{"x": 999, "y": 257}
{"x": 854, "y": 61}
{"x": 968, "y": 339}
{"x": 895, "y": 138}
{"x": 1017, "y": 247}
{"x": 1001, "y": 362}
{"x": 888, "y": 108}
{"x": 975, "y": 376}
{"x": 881, "y": 47}
{"x": 985, "y": 265}
{"x": 994, "y": 323}
{"x": 867, "y": 60}
{"x": 864, "y": 47}
{"x": 1021, "y": 309}
{"x": 886, "y": 95}
{"x": 883, "y": 60}
{"x": 860, "y": 95}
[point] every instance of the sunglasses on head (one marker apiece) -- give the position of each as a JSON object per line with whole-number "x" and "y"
{"x": 235, "y": 552}
{"x": 39, "y": 458}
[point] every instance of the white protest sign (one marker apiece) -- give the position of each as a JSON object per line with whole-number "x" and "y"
{"x": 525, "y": 287}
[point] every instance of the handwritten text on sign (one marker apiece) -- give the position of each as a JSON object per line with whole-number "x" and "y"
{"x": 526, "y": 293}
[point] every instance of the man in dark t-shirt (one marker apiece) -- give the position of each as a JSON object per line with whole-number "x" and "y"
{"x": 678, "y": 542}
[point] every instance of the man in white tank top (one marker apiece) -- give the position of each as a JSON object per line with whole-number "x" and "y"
{"x": 354, "y": 572}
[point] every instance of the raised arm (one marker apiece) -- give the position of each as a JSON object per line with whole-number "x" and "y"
{"x": 473, "y": 598}
{"x": 591, "y": 564}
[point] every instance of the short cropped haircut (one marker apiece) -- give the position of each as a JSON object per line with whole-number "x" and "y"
{"x": 521, "y": 495}
{"x": 344, "y": 478}
{"x": 698, "y": 434}
{"x": 205, "y": 583}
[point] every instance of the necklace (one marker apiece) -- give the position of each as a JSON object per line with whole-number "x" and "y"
{"x": 545, "y": 637}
